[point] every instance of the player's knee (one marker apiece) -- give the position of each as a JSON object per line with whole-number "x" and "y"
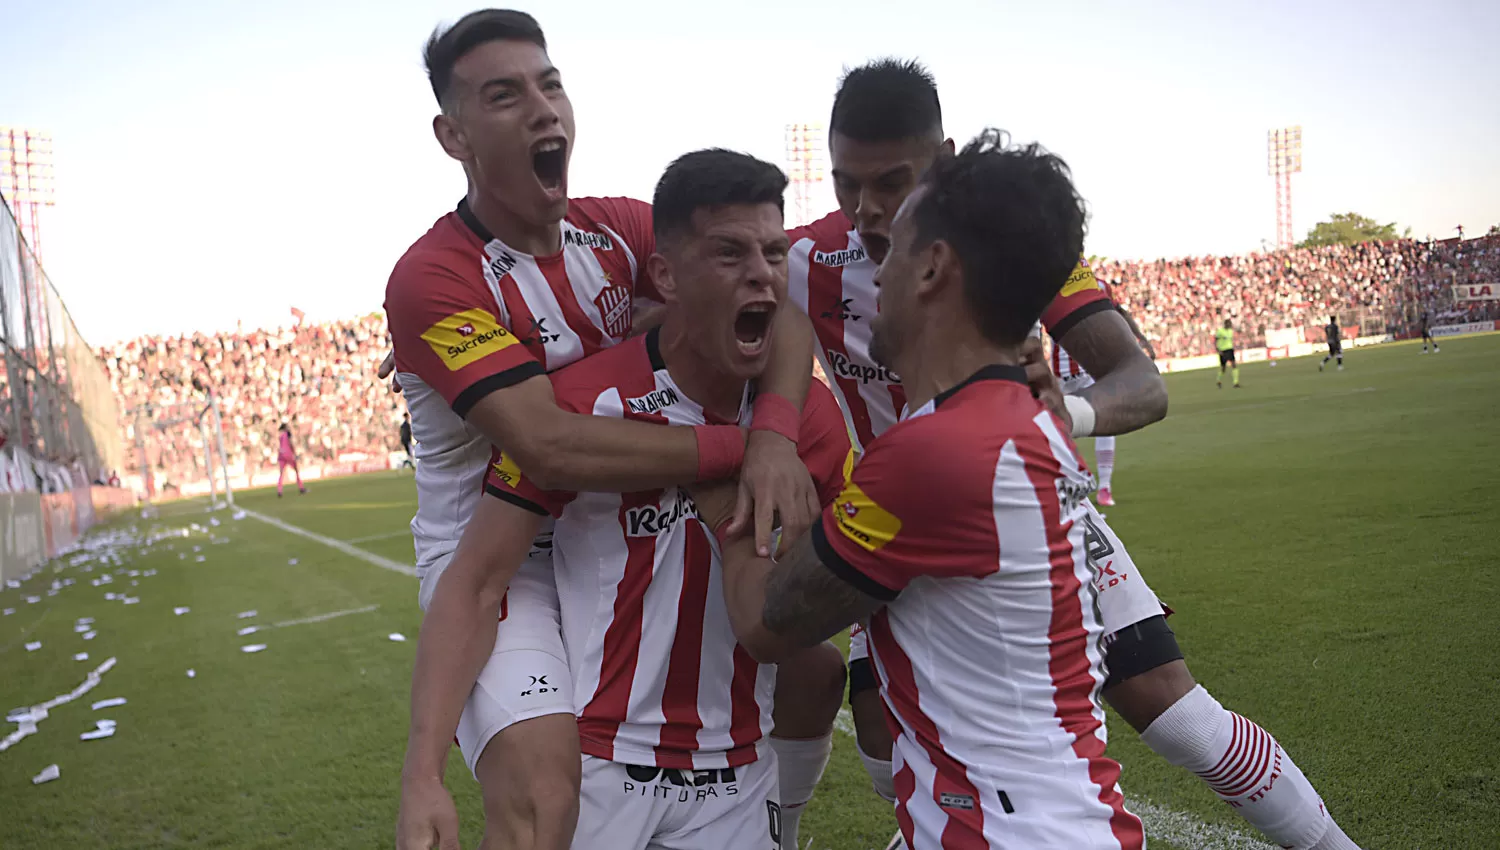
{"x": 1142, "y": 697}
{"x": 809, "y": 692}
{"x": 530, "y": 773}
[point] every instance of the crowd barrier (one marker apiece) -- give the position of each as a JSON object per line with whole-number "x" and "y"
{"x": 35, "y": 528}
{"x": 1302, "y": 349}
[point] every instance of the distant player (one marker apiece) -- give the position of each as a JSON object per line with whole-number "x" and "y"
{"x": 286, "y": 456}
{"x": 1335, "y": 339}
{"x": 673, "y": 715}
{"x": 1427, "y": 335}
{"x": 406, "y": 440}
{"x": 1224, "y": 342}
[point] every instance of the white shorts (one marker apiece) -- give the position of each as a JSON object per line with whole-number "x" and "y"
{"x": 859, "y": 643}
{"x": 1124, "y": 597}
{"x": 627, "y": 807}
{"x": 527, "y": 675}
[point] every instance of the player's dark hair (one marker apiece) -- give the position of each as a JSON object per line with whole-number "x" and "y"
{"x": 887, "y": 100}
{"x": 1014, "y": 221}
{"x": 711, "y": 178}
{"x": 446, "y": 46}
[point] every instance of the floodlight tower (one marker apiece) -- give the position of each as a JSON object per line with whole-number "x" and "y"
{"x": 1284, "y": 158}
{"x": 26, "y": 179}
{"x": 805, "y": 165}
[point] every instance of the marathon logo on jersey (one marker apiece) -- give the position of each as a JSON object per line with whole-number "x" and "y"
{"x": 652, "y": 520}
{"x": 861, "y": 520}
{"x": 841, "y": 366}
{"x": 838, "y": 259}
{"x": 614, "y": 308}
{"x": 465, "y": 337}
{"x": 1080, "y": 280}
{"x": 585, "y": 239}
{"x": 669, "y": 783}
{"x": 653, "y": 402}
{"x": 502, "y": 263}
{"x": 506, "y": 471}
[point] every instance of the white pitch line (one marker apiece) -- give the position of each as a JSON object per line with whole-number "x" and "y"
{"x": 405, "y": 532}
{"x": 321, "y": 617}
{"x": 351, "y": 551}
{"x": 1161, "y": 823}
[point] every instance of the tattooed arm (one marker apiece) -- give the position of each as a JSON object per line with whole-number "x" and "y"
{"x": 1128, "y": 392}
{"x": 779, "y": 608}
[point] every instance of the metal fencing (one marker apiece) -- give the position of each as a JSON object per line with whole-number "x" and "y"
{"x": 56, "y": 402}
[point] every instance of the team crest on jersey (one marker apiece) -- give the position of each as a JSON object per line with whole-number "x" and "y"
{"x": 869, "y": 525}
{"x": 614, "y": 308}
{"x": 1081, "y": 280}
{"x": 463, "y": 338}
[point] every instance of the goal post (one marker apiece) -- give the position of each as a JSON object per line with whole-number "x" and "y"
{"x": 180, "y": 446}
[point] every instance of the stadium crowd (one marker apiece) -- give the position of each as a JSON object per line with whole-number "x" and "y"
{"x": 319, "y": 377}
{"x": 316, "y": 377}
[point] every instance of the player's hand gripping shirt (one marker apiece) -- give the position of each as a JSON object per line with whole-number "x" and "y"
{"x": 832, "y": 278}
{"x": 469, "y": 315}
{"x": 659, "y": 677}
{"x": 968, "y": 518}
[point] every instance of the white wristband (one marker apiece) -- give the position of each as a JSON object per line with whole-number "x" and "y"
{"x": 1082, "y": 413}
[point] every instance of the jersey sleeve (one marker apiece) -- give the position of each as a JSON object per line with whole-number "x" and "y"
{"x": 504, "y": 481}
{"x": 1082, "y": 296}
{"x": 823, "y": 443}
{"x": 632, "y": 220}
{"x": 916, "y": 505}
{"x": 444, "y": 330}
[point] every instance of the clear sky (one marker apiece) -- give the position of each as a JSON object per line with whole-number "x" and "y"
{"x": 223, "y": 161}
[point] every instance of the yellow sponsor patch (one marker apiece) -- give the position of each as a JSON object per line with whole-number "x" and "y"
{"x": 507, "y": 471}
{"x": 1080, "y": 280}
{"x": 849, "y": 464}
{"x": 466, "y": 337}
{"x": 863, "y": 521}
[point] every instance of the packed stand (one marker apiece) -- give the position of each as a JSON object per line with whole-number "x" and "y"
{"x": 316, "y": 377}
{"x": 1377, "y": 287}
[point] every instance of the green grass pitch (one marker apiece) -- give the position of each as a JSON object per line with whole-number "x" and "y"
{"x": 1327, "y": 540}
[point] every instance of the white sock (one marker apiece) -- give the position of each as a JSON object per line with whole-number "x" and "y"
{"x": 799, "y": 765}
{"x": 881, "y": 774}
{"x": 1104, "y": 455}
{"x": 1247, "y": 768}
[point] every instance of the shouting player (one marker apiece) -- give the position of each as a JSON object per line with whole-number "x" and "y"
{"x": 1335, "y": 338}
{"x": 960, "y": 534}
{"x": 1224, "y": 343}
{"x": 886, "y": 131}
{"x": 520, "y": 280}
{"x": 672, "y": 713}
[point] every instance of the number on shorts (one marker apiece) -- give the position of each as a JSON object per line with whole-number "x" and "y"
{"x": 773, "y": 812}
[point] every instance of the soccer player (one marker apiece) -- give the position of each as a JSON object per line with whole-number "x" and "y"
{"x": 672, "y": 713}
{"x": 406, "y": 440}
{"x": 520, "y": 280}
{"x": 1427, "y": 335}
{"x": 286, "y": 456}
{"x": 886, "y": 131}
{"x": 960, "y": 534}
{"x": 1335, "y": 339}
{"x": 1224, "y": 342}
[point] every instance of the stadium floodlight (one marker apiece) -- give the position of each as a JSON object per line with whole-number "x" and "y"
{"x": 204, "y": 423}
{"x": 1283, "y": 159}
{"x": 805, "y": 165}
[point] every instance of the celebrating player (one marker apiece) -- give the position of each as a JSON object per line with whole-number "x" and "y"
{"x": 519, "y": 280}
{"x": 961, "y": 529}
{"x": 1224, "y": 343}
{"x": 1335, "y": 339}
{"x": 887, "y": 130}
{"x": 672, "y": 713}
{"x": 286, "y": 456}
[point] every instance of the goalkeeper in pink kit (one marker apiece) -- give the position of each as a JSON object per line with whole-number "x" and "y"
{"x": 286, "y": 456}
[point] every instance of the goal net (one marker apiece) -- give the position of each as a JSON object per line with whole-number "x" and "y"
{"x": 179, "y": 451}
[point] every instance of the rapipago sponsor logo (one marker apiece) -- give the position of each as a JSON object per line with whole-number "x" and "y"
{"x": 463, "y": 338}
{"x": 838, "y": 259}
{"x": 653, "y": 402}
{"x": 653, "y": 520}
{"x": 842, "y": 366}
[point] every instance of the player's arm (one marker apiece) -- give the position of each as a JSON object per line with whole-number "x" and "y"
{"x": 1128, "y": 392}
{"x": 458, "y": 631}
{"x": 1136, "y": 329}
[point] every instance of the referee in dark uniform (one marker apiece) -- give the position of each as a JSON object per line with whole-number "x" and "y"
{"x": 406, "y": 440}
{"x": 1427, "y": 336}
{"x": 1335, "y": 343}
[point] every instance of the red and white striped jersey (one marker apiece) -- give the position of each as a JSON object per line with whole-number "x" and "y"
{"x": 470, "y": 315}
{"x": 832, "y": 278}
{"x": 967, "y": 517}
{"x": 1069, "y": 372}
{"x": 660, "y": 678}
